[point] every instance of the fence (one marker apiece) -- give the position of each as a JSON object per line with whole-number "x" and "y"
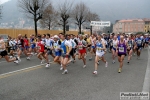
{"x": 14, "y": 32}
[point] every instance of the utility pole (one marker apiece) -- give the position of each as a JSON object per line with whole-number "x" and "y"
{"x": 91, "y": 30}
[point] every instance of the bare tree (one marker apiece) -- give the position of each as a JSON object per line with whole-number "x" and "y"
{"x": 49, "y": 17}
{"x": 33, "y": 9}
{"x": 80, "y": 12}
{"x": 1, "y": 10}
{"x": 64, "y": 12}
{"x": 92, "y": 17}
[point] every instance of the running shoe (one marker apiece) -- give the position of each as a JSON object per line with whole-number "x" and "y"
{"x": 32, "y": 54}
{"x": 113, "y": 61}
{"x": 85, "y": 56}
{"x": 42, "y": 61}
{"x": 28, "y": 58}
{"x": 95, "y": 72}
{"x": 84, "y": 66}
{"x": 19, "y": 59}
{"x": 16, "y": 61}
{"x": 90, "y": 58}
{"x": 119, "y": 71}
{"x": 106, "y": 65}
{"x": 73, "y": 61}
{"x": 35, "y": 53}
{"x": 98, "y": 62}
{"x": 65, "y": 72}
{"x": 47, "y": 65}
{"x": 61, "y": 68}
{"x": 138, "y": 57}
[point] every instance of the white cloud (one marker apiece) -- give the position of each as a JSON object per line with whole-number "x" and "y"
{"x": 3, "y": 1}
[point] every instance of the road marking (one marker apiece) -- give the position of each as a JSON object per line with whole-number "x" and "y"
{"x": 146, "y": 84}
{"x": 22, "y": 70}
{"x": 2, "y": 61}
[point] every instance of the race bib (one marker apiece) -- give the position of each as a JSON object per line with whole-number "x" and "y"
{"x": 99, "y": 49}
{"x": 62, "y": 50}
{"x": 39, "y": 47}
{"x": 139, "y": 41}
{"x": 56, "y": 48}
{"x": 80, "y": 47}
{"x": 114, "y": 46}
{"x": 121, "y": 49}
{"x": 48, "y": 47}
{"x": 129, "y": 45}
{"x": 111, "y": 44}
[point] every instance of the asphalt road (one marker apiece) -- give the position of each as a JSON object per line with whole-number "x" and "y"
{"x": 39, "y": 83}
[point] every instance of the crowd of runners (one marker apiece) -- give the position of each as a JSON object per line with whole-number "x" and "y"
{"x": 65, "y": 48}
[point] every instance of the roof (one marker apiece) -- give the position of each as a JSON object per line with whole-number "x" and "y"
{"x": 130, "y": 20}
{"x": 146, "y": 19}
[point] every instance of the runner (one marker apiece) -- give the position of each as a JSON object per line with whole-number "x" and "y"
{"x": 57, "y": 49}
{"x": 3, "y": 52}
{"x": 93, "y": 40}
{"x": 147, "y": 41}
{"x": 48, "y": 49}
{"x": 121, "y": 50}
{"x": 76, "y": 43}
{"x": 81, "y": 46}
{"x": 114, "y": 54}
{"x": 129, "y": 48}
{"x": 100, "y": 51}
{"x": 40, "y": 46}
{"x": 66, "y": 48}
{"x": 88, "y": 43}
{"x": 32, "y": 49}
{"x": 12, "y": 47}
{"x": 26, "y": 47}
{"x": 138, "y": 43}
{"x": 21, "y": 47}
{"x": 110, "y": 43}
{"x": 72, "y": 53}
{"x": 134, "y": 45}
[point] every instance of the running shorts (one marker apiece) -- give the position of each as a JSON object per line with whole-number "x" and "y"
{"x": 3, "y": 53}
{"x": 100, "y": 54}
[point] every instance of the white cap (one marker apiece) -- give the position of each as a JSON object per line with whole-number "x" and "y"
{"x": 55, "y": 36}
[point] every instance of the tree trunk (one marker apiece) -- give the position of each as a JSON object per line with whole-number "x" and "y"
{"x": 64, "y": 27}
{"x": 80, "y": 27}
{"x": 91, "y": 30}
{"x": 35, "y": 27}
{"x": 49, "y": 26}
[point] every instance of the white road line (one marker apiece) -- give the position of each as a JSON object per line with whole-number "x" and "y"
{"x": 21, "y": 70}
{"x": 2, "y": 61}
{"x": 146, "y": 84}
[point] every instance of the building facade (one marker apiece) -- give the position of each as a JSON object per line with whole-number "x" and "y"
{"x": 129, "y": 26}
{"x": 147, "y": 25}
